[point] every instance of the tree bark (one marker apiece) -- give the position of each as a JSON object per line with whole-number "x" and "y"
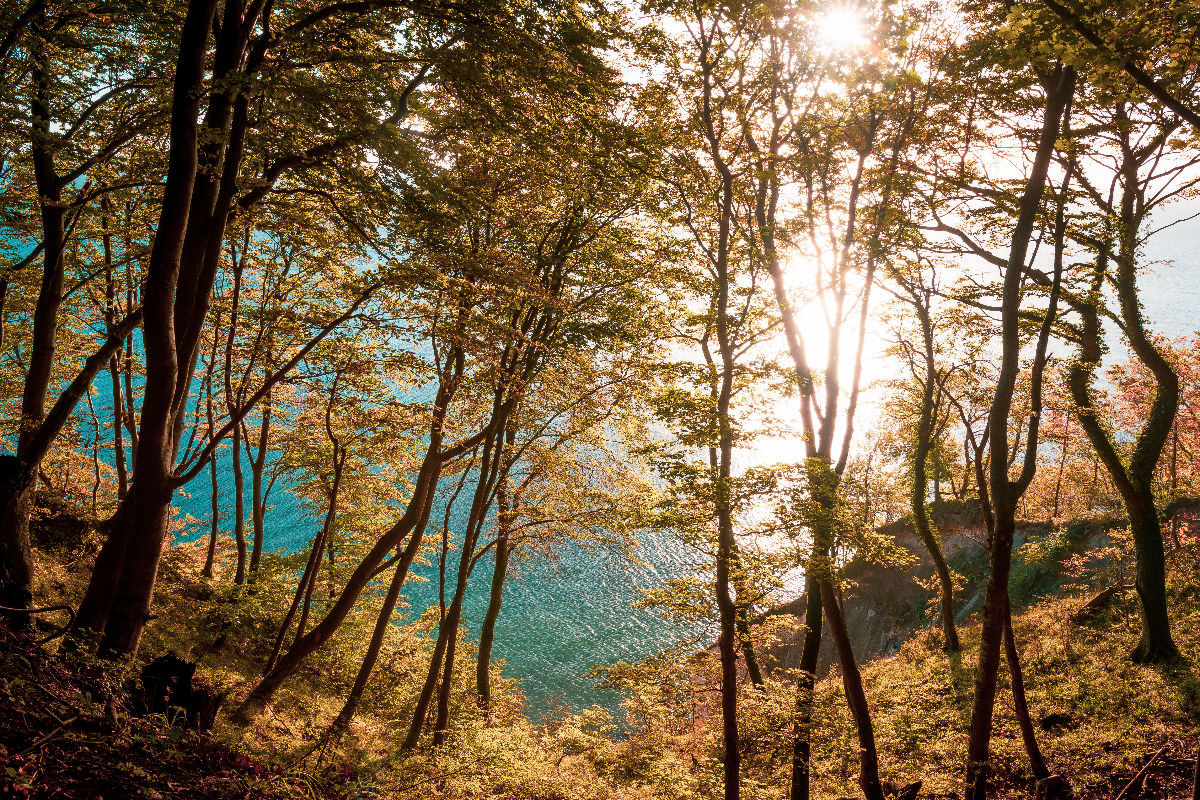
{"x": 856, "y": 697}
{"x": 16, "y": 500}
{"x": 802, "y": 726}
{"x": 1059, "y": 88}
{"x": 1020, "y": 705}
{"x": 487, "y": 632}
{"x": 128, "y": 562}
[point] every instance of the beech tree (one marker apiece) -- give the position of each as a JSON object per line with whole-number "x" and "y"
{"x": 83, "y": 104}
{"x": 1134, "y": 154}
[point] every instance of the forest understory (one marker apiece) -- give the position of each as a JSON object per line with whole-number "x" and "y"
{"x": 74, "y": 726}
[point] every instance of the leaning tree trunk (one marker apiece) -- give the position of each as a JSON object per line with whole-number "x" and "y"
{"x": 311, "y": 641}
{"x": 382, "y": 623}
{"x": 1020, "y": 705}
{"x": 492, "y": 468}
{"x": 868, "y": 756}
{"x": 1005, "y": 493}
{"x": 487, "y": 633}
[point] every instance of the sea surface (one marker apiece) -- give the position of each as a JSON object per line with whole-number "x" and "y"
{"x": 565, "y": 611}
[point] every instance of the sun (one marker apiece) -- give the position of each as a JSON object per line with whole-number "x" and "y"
{"x": 841, "y": 28}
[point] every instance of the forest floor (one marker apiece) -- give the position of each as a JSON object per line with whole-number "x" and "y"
{"x": 68, "y": 730}
{"x": 1116, "y": 730}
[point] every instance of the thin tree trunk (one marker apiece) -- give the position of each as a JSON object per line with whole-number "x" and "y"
{"x": 258, "y": 500}
{"x": 487, "y": 632}
{"x": 425, "y": 485}
{"x": 1021, "y": 706}
{"x": 303, "y": 591}
{"x": 805, "y": 682}
{"x": 1062, "y": 462}
{"x": 114, "y": 370}
{"x": 239, "y": 511}
{"x": 868, "y": 757}
{"x": 1005, "y": 493}
{"x": 922, "y": 519}
{"x": 382, "y": 623}
{"x": 493, "y": 468}
{"x": 211, "y": 555}
{"x": 118, "y": 436}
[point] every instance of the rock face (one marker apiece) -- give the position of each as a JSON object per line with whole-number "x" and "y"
{"x": 885, "y": 606}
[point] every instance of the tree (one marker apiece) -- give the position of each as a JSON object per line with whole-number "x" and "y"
{"x": 84, "y": 108}
{"x": 202, "y": 193}
{"x": 1058, "y": 86}
{"x": 1136, "y": 149}
{"x": 931, "y": 416}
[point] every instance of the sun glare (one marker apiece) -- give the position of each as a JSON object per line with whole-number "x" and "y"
{"x": 841, "y": 28}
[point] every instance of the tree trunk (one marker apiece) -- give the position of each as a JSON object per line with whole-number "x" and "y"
{"x": 118, "y": 428}
{"x": 144, "y": 515}
{"x": 492, "y": 469}
{"x": 210, "y": 555}
{"x": 753, "y": 670}
{"x": 420, "y": 711}
{"x": 922, "y": 519}
{"x": 426, "y": 484}
{"x": 995, "y": 604}
{"x": 802, "y": 726}
{"x": 1004, "y": 493}
{"x": 382, "y": 623}
{"x": 16, "y": 507}
{"x": 258, "y": 500}
{"x": 1036, "y": 762}
{"x": 1156, "y": 644}
{"x": 487, "y": 632}
{"x": 727, "y": 646}
{"x": 868, "y": 757}
{"x": 123, "y": 577}
{"x": 16, "y": 497}
{"x": 239, "y": 509}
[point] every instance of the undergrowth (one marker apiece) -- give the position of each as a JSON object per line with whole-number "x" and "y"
{"x": 1101, "y": 718}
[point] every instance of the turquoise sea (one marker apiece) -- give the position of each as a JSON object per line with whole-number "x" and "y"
{"x": 563, "y": 613}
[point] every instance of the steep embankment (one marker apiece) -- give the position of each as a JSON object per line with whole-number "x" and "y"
{"x": 886, "y": 605}
{"x": 1100, "y": 718}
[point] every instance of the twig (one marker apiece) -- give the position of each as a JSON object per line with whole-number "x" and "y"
{"x": 52, "y": 695}
{"x": 1142, "y": 772}
{"x": 42, "y": 610}
{"x": 49, "y": 736}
